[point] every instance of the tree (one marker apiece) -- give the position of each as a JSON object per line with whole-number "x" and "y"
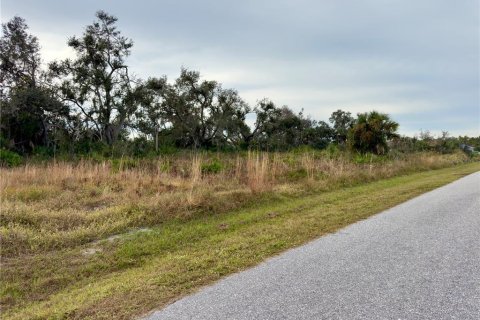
{"x": 265, "y": 112}
{"x": 150, "y": 118}
{"x": 281, "y": 128}
{"x": 371, "y": 131}
{"x": 97, "y": 83}
{"x": 286, "y": 129}
{"x": 31, "y": 118}
{"x": 29, "y": 112}
{"x": 278, "y": 128}
{"x": 445, "y": 143}
{"x": 20, "y": 56}
{"x": 319, "y": 135}
{"x": 342, "y": 122}
{"x": 199, "y": 113}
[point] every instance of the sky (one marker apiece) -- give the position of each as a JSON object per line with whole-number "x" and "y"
{"x": 418, "y": 61}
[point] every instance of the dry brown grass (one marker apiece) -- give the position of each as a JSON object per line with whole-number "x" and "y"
{"x": 258, "y": 179}
{"x": 59, "y": 205}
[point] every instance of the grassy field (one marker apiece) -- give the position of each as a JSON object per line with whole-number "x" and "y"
{"x": 115, "y": 240}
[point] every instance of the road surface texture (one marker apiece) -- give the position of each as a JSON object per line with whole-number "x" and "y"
{"x": 418, "y": 260}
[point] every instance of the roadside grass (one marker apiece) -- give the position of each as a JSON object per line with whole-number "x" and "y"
{"x": 129, "y": 275}
{"x": 58, "y": 205}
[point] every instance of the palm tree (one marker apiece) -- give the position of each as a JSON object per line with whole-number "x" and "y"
{"x": 371, "y": 131}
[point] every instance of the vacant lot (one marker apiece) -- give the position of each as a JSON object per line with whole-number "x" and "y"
{"x": 97, "y": 239}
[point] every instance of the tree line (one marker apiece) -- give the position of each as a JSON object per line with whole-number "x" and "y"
{"x": 93, "y": 101}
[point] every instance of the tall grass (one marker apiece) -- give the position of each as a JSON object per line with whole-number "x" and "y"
{"x": 58, "y": 204}
{"x": 308, "y": 163}
{"x": 258, "y": 178}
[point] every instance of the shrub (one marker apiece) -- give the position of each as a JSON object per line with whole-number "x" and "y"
{"x": 213, "y": 166}
{"x": 332, "y": 151}
{"x": 9, "y": 158}
{"x": 166, "y": 149}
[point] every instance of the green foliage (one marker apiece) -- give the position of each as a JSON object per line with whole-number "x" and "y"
{"x": 368, "y": 158}
{"x": 166, "y": 149}
{"x": 9, "y": 158}
{"x": 30, "y": 114}
{"x": 425, "y": 141}
{"x": 97, "y": 83}
{"x": 371, "y": 131}
{"x": 32, "y": 194}
{"x": 446, "y": 144}
{"x": 193, "y": 112}
{"x": 471, "y": 141}
{"x": 302, "y": 149}
{"x": 333, "y": 151}
{"x": 4, "y": 143}
{"x": 166, "y": 166}
{"x": 342, "y": 122}
{"x": 282, "y": 129}
{"x": 213, "y": 166}
{"x": 19, "y": 54}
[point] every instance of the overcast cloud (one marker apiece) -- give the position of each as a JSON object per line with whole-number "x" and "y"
{"x": 416, "y": 60}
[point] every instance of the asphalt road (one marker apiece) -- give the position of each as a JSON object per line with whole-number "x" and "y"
{"x": 418, "y": 260}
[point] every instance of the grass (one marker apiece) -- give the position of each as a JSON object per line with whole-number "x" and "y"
{"x": 53, "y": 206}
{"x": 65, "y": 263}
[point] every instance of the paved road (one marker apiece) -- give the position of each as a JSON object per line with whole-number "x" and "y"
{"x": 419, "y": 260}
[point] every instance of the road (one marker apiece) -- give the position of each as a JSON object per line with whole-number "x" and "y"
{"x": 418, "y": 260}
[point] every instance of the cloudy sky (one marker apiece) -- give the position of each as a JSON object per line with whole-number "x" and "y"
{"x": 417, "y": 60}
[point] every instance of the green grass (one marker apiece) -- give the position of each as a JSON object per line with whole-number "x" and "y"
{"x": 130, "y": 275}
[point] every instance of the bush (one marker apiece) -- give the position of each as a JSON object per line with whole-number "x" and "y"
{"x": 332, "y": 151}
{"x": 166, "y": 149}
{"x": 212, "y": 167}
{"x": 9, "y": 158}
